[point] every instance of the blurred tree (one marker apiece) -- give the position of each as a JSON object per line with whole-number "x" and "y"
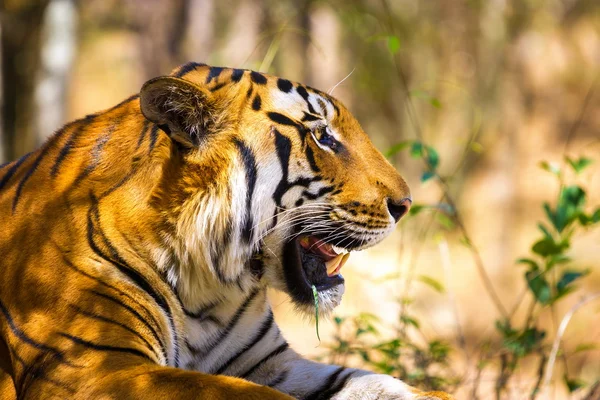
{"x": 21, "y": 22}
{"x": 58, "y": 51}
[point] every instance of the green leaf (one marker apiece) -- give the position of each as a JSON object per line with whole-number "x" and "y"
{"x": 534, "y": 265}
{"x": 570, "y": 205}
{"x": 316, "y": 297}
{"x": 416, "y": 208}
{"x": 445, "y": 221}
{"x": 596, "y": 216}
{"x": 409, "y": 321}
{"x": 338, "y": 320}
{"x": 432, "y": 283}
{"x": 397, "y": 148}
{"x": 427, "y": 175}
{"x": 580, "y": 164}
{"x": 416, "y": 149}
{"x": 583, "y": 347}
{"x": 393, "y": 43}
{"x": 433, "y": 158}
{"x": 546, "y": 247}
{"x": 569, "y": 277}
{"x": 435, "y": 102}
{"x": 574, "y": 384}
{"x": 521, "y": 343}
{"x": 476, "y": 147}
{"x": 557, "y": 259}
{"x": 549, "y": 214}
{"x": 550, "y": 167}
{"x": 544, "y": 230}
{"x": 539, "y": 286}
{"x": 504, "y": 328}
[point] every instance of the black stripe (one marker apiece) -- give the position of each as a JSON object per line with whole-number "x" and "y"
{"x": 136, "y": 315}
{"x": 188, "y": 67}
{"x": 257, "y": 77}
{"x": 310, "y": 156}
{"x": 251, "y": 175}
{"x": 120, "y": 183}
{"x": 143, "y": 133}
{"x": 102, "y": 347}
{"x": 302, "y": 92}
{"x": 266, "y": 358}
{"x": 118, "y": 302}
{"x": 213, "y": 73}
{"x": 66, "y": 149}
{"x": 264, "y": 329}
{"x": 256, "y": 103}
{"x": 284, "y": 85}
{"x": 117, "y": 323}
{"x": 34, "y": 371}
{"x": 153, "y": 138}
{"x": 122, "y": 266}
{"x": 323, "y": 107}
{"x": 321, "y": 192}
{"x": 12, "y": 170}
{"x": 231, "y": 325}
{"x": 281, "y": 119}
{"x": 283, "y": 145}
{"x": 22, "y": 336}
{"x": 36, "y": 163}
{"x": 237, "y": 74}
{"x": 311, "y": 117}
{"x": 316, "y": 394}
{"x": 278, "y": 379}
{"x": 218, "y": 86}
{"x": 96, "y": 153}
{"x": 201, "y": 313}
{"x": 328, "y": 393}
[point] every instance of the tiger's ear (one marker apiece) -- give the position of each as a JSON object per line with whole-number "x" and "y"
{"x": 180, "y": 108}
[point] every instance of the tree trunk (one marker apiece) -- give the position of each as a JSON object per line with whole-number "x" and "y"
{"x": 21, "y": 38}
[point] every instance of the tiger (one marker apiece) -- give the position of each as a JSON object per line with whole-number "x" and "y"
{"x": 138, "y": 243}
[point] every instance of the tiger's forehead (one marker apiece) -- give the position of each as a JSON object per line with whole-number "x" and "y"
{"x": 268, "y": 92}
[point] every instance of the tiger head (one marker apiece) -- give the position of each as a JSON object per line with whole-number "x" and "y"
{"x": 276, "y": 182}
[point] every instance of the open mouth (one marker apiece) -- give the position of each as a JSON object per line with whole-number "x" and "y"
{"x": 310, "y": 261}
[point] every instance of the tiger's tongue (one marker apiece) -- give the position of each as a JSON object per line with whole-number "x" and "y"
{"x": 333, "y": 261}
{"x": 318, "y": 247}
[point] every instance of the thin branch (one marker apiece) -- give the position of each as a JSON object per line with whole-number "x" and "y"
{"x": 559, "y": 334}
{"x": 487, "y": 282}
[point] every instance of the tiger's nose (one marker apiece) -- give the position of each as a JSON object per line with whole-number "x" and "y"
{"x": 398, "y": 209}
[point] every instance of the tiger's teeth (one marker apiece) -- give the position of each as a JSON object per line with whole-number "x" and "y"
{"x": 339, "y": 250}
{"x": 332, "y": 264}
{"x": 335, "y": 264}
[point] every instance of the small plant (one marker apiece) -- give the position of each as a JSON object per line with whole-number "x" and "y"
{"x": 358, "y": 341}
{"x": 550, "y": 274}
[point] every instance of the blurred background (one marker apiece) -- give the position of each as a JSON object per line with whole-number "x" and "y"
{"x": 489, "y": 108}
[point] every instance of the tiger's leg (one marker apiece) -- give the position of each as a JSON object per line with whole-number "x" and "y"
{"x": 268, "y": 360}
{"x": 117, "y": 378}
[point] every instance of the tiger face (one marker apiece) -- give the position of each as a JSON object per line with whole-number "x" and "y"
{"x": 294, "y": 183}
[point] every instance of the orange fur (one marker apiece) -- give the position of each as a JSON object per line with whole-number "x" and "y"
{"x": 85, "y": 221}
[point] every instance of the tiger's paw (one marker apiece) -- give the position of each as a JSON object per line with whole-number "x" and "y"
{"x": 384, "y": 387}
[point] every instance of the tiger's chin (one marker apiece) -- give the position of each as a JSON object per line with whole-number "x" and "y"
{"x": 312, "y": 265}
